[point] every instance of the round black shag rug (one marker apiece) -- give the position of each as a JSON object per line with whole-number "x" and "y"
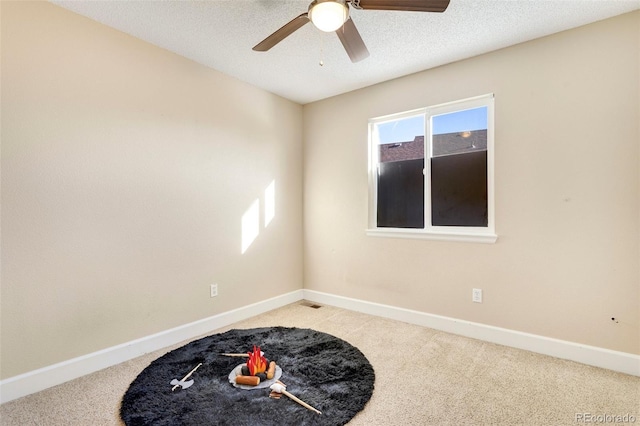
{"x": 322, "y": 370}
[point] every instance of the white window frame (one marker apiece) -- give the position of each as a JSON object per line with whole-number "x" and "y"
{"x": 447, "y": 233}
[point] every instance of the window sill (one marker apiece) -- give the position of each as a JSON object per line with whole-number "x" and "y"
{"x": 469, "y": 236}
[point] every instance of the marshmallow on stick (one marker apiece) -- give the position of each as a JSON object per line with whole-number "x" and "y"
{"x": 280, "y": 388}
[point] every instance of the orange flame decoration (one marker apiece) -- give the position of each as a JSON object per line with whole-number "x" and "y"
{"x": 256, "y": 363}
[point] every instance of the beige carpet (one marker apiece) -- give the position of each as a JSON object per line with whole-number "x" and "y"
{"x": 423, "y": 377}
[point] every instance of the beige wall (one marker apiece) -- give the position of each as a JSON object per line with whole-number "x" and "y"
{"x": 126, "y": 170}
{"x": 567, "y": 192}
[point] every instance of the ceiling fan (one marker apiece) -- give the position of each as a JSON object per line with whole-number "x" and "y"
{"x": 333, "y": 16}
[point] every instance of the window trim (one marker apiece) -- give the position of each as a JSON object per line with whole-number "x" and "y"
{"x": 442, "y": 233}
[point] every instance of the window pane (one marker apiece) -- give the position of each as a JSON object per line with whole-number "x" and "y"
{"x": 401, "y": 173}
{"x": 459, "y": 169}
{"x": 459, "y": 132}
{"x": 401, "y": 194}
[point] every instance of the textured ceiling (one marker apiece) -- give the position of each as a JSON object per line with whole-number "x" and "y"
{"x": 221, "y": 33}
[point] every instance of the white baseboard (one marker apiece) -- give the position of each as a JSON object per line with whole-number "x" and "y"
{"x": 591, "y": 355}
{"x": 44, "y": 378}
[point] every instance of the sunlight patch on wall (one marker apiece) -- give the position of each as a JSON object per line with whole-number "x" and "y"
{"x": 250, "y": 225}
{"x": 251, "y": 218}
{"x": 269, "y": 203}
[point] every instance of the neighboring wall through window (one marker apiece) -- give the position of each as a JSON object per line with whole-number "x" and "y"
{"x": 431, "y": 172}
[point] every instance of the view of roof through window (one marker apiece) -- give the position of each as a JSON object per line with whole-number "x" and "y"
{"x": 453, "y": 133}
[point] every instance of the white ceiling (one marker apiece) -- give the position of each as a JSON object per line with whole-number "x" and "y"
{"x": 221, "y": 33}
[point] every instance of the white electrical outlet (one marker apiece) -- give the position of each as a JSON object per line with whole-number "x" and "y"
{"x": 477, "y": 295}
{"x": 214, "y": 290}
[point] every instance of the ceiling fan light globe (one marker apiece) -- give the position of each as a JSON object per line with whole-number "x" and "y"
{"x": 328, "y": 15}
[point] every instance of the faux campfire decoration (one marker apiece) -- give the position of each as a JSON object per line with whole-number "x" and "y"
{"x": 257, "y": 369}
{"x": 257, "y": 363}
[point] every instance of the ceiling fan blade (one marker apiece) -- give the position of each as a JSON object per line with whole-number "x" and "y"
{"x": 408, "y": 5}
{"x": 282, "y": 33}
{"x": 352, "y": 42}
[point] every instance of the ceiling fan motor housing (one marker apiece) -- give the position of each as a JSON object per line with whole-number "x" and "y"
{"x": 328, "y": 15}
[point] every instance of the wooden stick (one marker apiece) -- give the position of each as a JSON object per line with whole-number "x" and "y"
{"x": 281, "y": 387}
{"x": 186, "y": 377}
{"x": 301, "y": 402}
{"x": 236, "y": 355}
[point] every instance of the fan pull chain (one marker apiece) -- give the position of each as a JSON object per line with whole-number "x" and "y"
{"x": 321, "y": 50}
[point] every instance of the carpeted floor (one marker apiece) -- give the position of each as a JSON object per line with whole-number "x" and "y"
{"x": 423, "y": 377}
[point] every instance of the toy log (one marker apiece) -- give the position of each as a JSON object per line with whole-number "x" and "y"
{"x": 272, "y": 370}
{"x": 247, "y": 380}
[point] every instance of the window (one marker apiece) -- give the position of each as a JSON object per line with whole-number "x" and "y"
{"x": 431, "y": 172}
